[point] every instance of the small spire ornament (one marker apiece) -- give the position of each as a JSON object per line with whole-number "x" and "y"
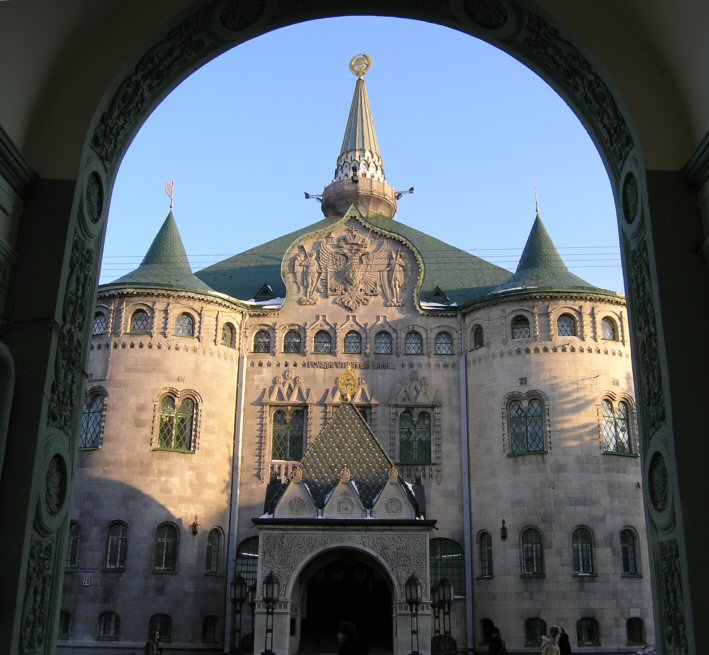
{"x": 360, "y": 65}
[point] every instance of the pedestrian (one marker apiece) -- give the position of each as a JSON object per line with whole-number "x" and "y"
{"x": 497, "y": 643}
{"x": 152, "y": 646}
{"x": 564, "y": 643}
{"x": 550, "y": 644}
{"x": 350, "y": 642}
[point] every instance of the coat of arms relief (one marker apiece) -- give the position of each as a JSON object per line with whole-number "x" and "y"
{"x": 352, "y": 268}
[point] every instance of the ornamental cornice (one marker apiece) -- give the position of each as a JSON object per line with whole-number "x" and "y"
{"x": 219, "y": 301}
{"x": 615, "y": 299}
{"x": 167, "y": 345}
{"x": 542, "y": 350}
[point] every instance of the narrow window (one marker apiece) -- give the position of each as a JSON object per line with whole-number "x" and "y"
{"x": 383, "y": 343}
{"x": 566, "y": 325}
{"x": 582, "y": 545}
{"x": 228, "y": 335}
{"x": 184, "y": 326}
{"x": 447, "y": 561}
{"x": 214, "y": 551}
{"x": 323, "y": 342}
{"x": 520, "y": 327}
{"x": 116, "y": 546}
{"x": 291, "y": 342}
{"x": 262, "y": 342}
{"x": 628, "y": 552}
{"x": 532, "y": 553}
{"x": 609, "y": 330}
{"x": 485, "y": 554}
{"x": 100, "y": 324}
{"x": 288, "y": 433}
{"x": 247, "y": 560}
{"x": 534, "y": 628}
{"x": 209, "y": 629}
{"x": 161, "y": 623}
{"x": 587, "y": 632}
{"x": 414, "y": 439}
{"x": 413, "y": 344}
{"x": 72, "y": 550}
{"x": 526, "y": 426}
{"x": 478, "y": 337}
{"x": 91, "y": 421}
{"x": 140, "y": 322}
{"x": 109, "y": 626}
{"x": 444, "y": 343}
{"x": 64, "y": 624}
{"x": 635, "y": 631}
{"x": 353, "y": 342}
{"x": 166, "y": 548}
{"x": 176, "y": 424}
{"x": 616, "y": 427}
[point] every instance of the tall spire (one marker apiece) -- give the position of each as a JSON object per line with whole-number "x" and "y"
{"x": 359, "y": 174}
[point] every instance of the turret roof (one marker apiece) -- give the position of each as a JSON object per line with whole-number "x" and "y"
{"x": 359, "y": 132}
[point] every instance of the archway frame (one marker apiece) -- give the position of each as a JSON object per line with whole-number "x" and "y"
{"x": 201, "y": 33}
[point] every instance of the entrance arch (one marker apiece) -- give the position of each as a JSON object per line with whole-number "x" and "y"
{"x": 41, "y": 441}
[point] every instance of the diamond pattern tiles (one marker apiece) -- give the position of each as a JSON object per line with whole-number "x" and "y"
{"x": 346, "y": 440}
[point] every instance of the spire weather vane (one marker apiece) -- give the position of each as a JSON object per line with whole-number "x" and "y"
{"x": 170, "y": 191}
{"x": 536, "y": 197}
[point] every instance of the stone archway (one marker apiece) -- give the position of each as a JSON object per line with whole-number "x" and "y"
{"x": 43, "y": 472}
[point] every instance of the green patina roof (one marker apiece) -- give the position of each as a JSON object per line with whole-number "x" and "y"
{"x": 165, "y": 265}
{"x": 359, "y": 132}
{"x": 541, "y": 267}
{"x": 460, "y": 275}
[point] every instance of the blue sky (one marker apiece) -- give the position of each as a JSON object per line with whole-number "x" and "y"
{"x": 465, "y": 124}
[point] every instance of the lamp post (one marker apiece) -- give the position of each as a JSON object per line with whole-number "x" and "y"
{"x": 238, "y": 589}
{"x": 271, "y": 592}
{"x": 446, "y": 600}
{"x": 436, "y": 604}
{"x": 413, "y": 598}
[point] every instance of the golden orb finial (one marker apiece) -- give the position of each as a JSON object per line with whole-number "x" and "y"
{"x": 347, "y": 383}
{"x": 360, "y": 65}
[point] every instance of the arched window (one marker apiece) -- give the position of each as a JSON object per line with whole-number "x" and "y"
{"x": 72, "y": 547}
{"x": 635, "y": 631}
{"x": 532, "y": 552}
{"x": 262, "y": 342}
{"x": 534, "y": 628}
{"x": 486, "y": 628}
{"x": 447, "y": 561}
{"x": 100, "y": 324}
{"x": 109, "y": 626}
{"x": 478, "y": 337}
{"x": 616, "y": 427}
{"x": 628, "y": 552}
{"x": 177, "y": 424}
{"x": 566, "y": 325}
{"x": 520, "y": 327}
{"x": 140, "y": 322}
{"x": 228, "y": 335}
{"x": 353, "y": 342}
{"x": 288, "y": 433}
{"x": 383, "y": 344}
{"x": 323, "y": 342}
{"x": 214, "y": 551}
{"x": 485, "y": 554}
{"x": 415, "y": 438}
{"x": 247, "y": 560}
{"x": 413, "y": 344}
{"x": 444, "y": 343}
{"x": 166, "y": 543}
{"x": 587, "y": 632}
{"x": 116, "y": 545}
{"x": 64, "y": 625}
{"x": 209, "y": 629}
{"x": 184, "y": 326}
{"x": 582, "y": 545}
{"x": 609, "y": 331}
{"x": 292, "y": 342}
{"x": 526, "y": 426}
{"x": 163, "y": 624}
{"x": 92, "y": 420}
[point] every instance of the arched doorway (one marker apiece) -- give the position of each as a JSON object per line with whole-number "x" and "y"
{"x": 345, "y": 585}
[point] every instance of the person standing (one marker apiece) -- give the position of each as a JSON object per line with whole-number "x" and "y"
{"x": 350, "y": 642}
{"x": 550, "y": 644}
{"x": 152, "y": 646}
{"x": 564, "y": 643}
{"x": 497, "y": 643}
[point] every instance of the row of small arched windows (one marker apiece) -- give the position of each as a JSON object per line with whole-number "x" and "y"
{"x": 166, "y": 543}
{"x": 532, "y": 553}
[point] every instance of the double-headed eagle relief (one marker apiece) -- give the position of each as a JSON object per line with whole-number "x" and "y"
{"x": 351, "y": 268}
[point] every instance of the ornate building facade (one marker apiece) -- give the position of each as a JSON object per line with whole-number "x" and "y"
{"x": 354, "y": 408}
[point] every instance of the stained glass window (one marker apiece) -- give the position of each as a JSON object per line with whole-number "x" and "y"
{"x": 526, "y": 426}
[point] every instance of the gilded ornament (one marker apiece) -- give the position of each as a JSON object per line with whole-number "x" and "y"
{"x": 360, "y": 65}
{"x": 347, "y": 384}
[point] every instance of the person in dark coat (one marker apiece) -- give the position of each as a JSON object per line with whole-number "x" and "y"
{"x": 152, "y": 646}
{"x": 497, "y": 643}
{"x": 350, "y": 642}
{"x": 564, "y": 643}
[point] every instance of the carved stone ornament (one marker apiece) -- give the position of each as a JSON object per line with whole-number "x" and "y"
{"x": 490, "y": 14}
{"x": 296, "y": 505}
{"x": 630, "y": 198}
{"x": 574, "y": 74}
{"x": 650, "y": 378}
{"x": 55, "y": 484}
{"x": 351, "y": 268}
{"x": 393, "y": 506}
{"x": 238, "y": 14}
{"x": 674, "y": 632}
{"x": 68, "y": 364}
{"x": 345, "y": 506}
{"x": 402, "y": 553}
{"x": 37, "y": 603}
{"x": 658, "y": 482}
{"x": 94, "y": 197}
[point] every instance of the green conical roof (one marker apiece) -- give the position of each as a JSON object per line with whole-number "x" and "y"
{"x": 359, "y": 132}
{"x": 165, "y": 265}
{"x": 541, "y": 266}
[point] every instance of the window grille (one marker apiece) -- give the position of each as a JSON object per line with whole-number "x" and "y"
{"x": 608, "y": 329}
{"x": 628, "y": 552}
{"x": 566, "y": 325}
{"x": 635, "y": 630}
{"x": 184, "y": 326}
{"x": 288, "y": 433}
{"x": 176, "y": 424}
{"x": 64, "y": 624}
{"x": 323, "y": 342}
{"x": 91, "y": 421}
{"x": 262, "y": 342}
{"x": 291, "y": 343}
{"x": 616, "y": 427}
{"x": 447, "y": 561}
{"x": 116, "y": 546}
{"x": 166, "y": 548}
{"x": 214, "y": 551}
{"x": 414, "y": 439}
{"x": 587, "y": 632}
{"x": 109, "y": 626}
{"x": 228, "y": 335}
{"x": 520, "y": 327}
{"x": 534, "y": 628}
{"x": 209, "y": 629}
{"x": 485, "y": 553}
{"x": 140, "y": 322}
{"x": 247, "y": 560}
{"x": 353, "y": 342}
{"x": 582, "y": 545}
{"x": 163, "y": 624}
{"x": 444, "y": 344}
{"x": 100, "y": 324}
{"x": 383, "y": 343}
{"x": 478, "y": 337}
{"x": 532, "y": 552}
{"x": 526, "y": 426}
{"x": 413, "y": 344}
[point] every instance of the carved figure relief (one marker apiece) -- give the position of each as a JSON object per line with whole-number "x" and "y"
{"x": 351, "y": 268}
{"x": 672, "y": 598}
{"x": 38, "y": 584}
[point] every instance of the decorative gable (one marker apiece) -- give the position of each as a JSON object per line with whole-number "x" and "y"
{"x": 344, "y": 501}
{"x": 287, "y": 388}
{"x": 415, "y": 391}
{"x": 296, "y": 502}
{"x": 392, "y": 502}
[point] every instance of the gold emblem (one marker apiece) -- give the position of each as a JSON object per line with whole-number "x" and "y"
{"x": 347, "y": 384}
{"x": 360, "y": 64}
